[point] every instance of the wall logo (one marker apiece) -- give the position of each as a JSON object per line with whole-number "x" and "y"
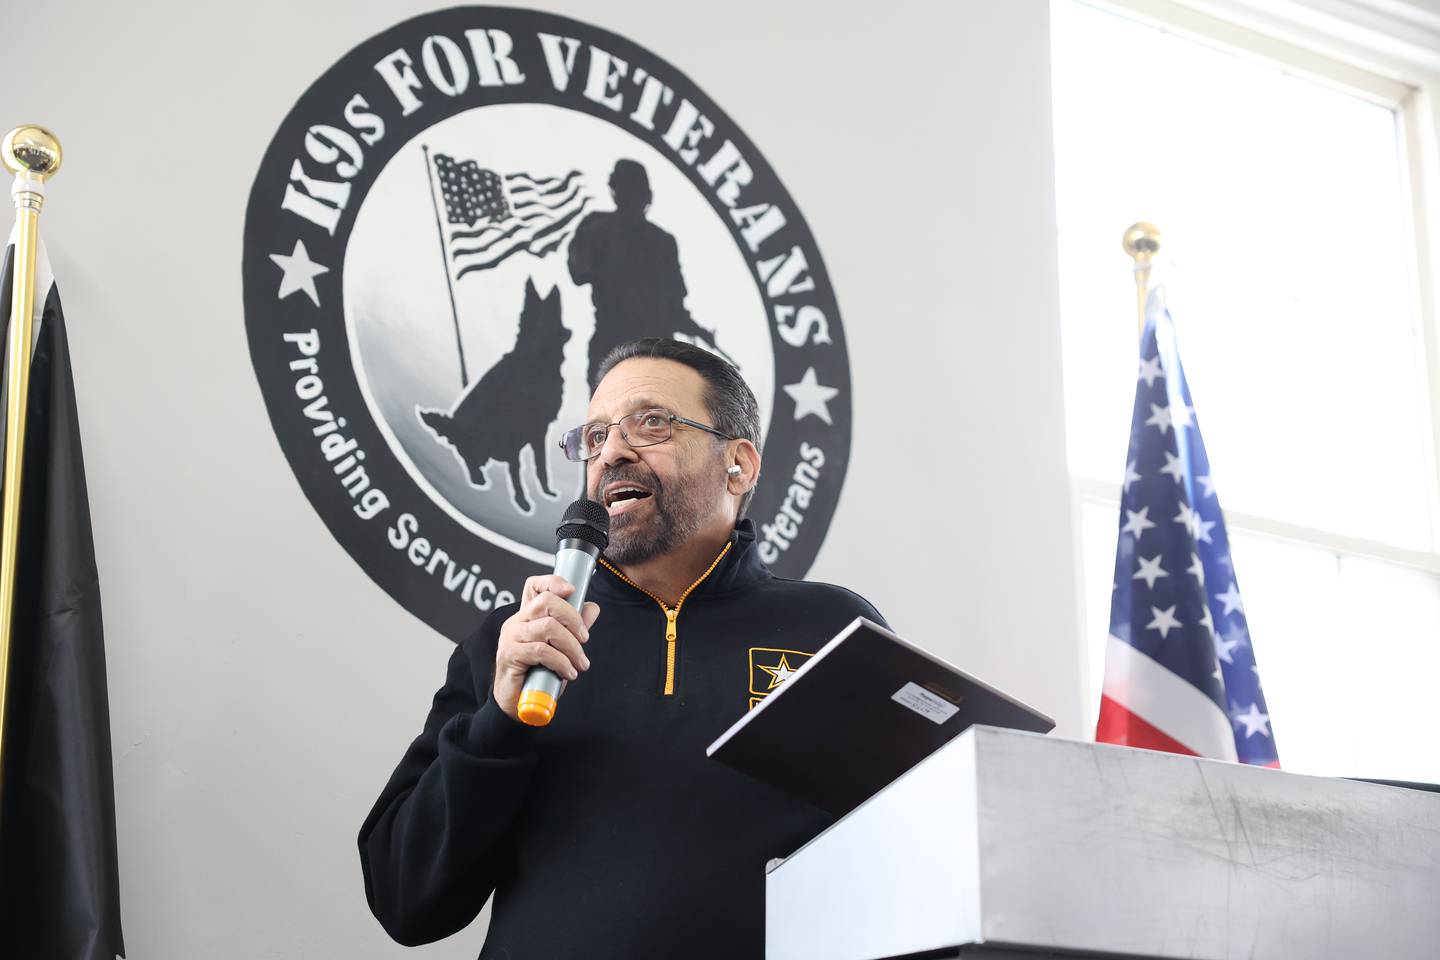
{"x": 452, "y": 228}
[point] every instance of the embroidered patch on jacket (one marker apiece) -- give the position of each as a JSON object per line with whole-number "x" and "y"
{"x": 770, "y": 667}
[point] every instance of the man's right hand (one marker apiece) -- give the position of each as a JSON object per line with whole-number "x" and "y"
{"x": 545, "y": 631}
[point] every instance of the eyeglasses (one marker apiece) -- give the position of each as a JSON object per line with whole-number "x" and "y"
{"x": 642, "y": 429}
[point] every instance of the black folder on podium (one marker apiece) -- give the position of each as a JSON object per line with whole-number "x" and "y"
{"x": 866, "y": 708}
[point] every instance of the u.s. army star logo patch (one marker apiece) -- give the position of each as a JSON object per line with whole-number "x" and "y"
{"x": 452, "y": 228}
{"x": 770, "y": 667}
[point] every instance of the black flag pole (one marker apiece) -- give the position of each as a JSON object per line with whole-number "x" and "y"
{"x": 444, "y": 258}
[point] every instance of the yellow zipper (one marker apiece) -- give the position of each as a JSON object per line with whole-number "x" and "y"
{"x": 671, "y": 615}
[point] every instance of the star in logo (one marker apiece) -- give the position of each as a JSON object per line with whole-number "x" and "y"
{"x": 300, "y": 272}
{"x": 779, "y": 673}
{"x": 1253, "y": 720}
{"x": 810, "y": 396}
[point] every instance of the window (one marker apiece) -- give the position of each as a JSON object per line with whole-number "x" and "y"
{"x": 1289, "y": 263}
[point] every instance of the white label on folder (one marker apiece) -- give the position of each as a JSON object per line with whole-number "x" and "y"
{"x": 925, "y": 703}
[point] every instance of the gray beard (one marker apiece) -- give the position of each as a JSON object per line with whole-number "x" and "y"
{"x": 677, "y": 515}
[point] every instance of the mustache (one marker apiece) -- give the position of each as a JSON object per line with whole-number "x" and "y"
{"x": 627, "y": 473}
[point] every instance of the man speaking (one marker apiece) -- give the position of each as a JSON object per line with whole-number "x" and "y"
{"x": 608, "y": 833}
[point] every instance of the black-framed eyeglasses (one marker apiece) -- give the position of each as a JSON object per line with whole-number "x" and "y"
{"x": 644, "y": 428}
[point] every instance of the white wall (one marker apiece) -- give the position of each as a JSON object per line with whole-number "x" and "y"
{"x": 261, "y": 686}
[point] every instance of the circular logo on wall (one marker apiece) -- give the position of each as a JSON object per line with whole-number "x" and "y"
{"x": 448, "y": 233}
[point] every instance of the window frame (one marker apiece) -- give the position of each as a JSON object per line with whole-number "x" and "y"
{"x": 1382, "y": 77}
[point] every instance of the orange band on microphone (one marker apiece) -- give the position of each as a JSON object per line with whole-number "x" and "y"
{"x": 536, "y": 708}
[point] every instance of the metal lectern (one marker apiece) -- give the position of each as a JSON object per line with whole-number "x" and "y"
{"x": 1004, "y": 843}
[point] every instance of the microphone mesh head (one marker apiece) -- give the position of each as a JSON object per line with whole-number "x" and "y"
{"x": 585, "y": 520}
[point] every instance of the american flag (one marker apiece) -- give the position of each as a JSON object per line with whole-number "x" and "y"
{"x": 492, "y": 217}
{"x": 1180, "y": 671}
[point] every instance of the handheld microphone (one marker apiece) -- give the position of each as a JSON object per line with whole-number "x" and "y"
{"x": 582, "y": 536}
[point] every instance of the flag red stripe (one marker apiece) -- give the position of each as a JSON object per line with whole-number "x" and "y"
{"x": 1118, "y": 725}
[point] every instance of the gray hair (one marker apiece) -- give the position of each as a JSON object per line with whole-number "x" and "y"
{"x": 728, "y": 398}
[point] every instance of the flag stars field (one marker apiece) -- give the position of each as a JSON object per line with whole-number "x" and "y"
{"x": 1159, "y": 417}
{"x": 1164, "y": 621}
{"x": 1187, "y": 517}
{"x": 1137, "y": 522}
{"x": 1125, "y": 549}
{"x": 1175, "y": 629}
{"x": 1150, "y": 370}
{"x": 1150, "y": 570}
{"x": 1231, "y": 599}
{"x": 1198, "y": 528}
{"x": 1130, "y": 476}
{"x": 1196, "y": 569}
{"x": 1207, "y": 620}
{"x": 1253, "y": 720}
{"x": 1225, "y": 648}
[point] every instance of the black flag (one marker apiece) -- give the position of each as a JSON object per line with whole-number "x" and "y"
{"x": 59, "y": 877}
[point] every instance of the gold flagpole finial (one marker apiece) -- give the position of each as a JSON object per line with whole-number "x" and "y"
{"x": 31, "y": 150}
{"x": 1142, "y": 242}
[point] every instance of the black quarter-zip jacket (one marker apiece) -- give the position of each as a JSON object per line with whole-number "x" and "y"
{"x": 609, "y": 833}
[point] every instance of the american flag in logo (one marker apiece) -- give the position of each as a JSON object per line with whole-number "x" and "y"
{"x": 1180, "y": 671}
{"x": 491, "y": 217}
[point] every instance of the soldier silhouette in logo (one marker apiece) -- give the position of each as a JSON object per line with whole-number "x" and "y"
{"x": 513, "y": 404}
{"x": 633, "y": 268}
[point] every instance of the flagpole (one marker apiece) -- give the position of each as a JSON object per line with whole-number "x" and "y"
{"x": 33, "y": 154}
{"x": 445, "y": 259}
{"x": 1142, "y": 242}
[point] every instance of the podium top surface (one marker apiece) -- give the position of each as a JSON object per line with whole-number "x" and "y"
{"x": 1014, "y": 839}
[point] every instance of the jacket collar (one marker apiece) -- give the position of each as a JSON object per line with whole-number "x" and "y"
{"x": 740, "y": 569}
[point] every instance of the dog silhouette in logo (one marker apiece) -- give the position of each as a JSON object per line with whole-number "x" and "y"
{"x": 513, "y": 404}
{"x": 633, "y": 268}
